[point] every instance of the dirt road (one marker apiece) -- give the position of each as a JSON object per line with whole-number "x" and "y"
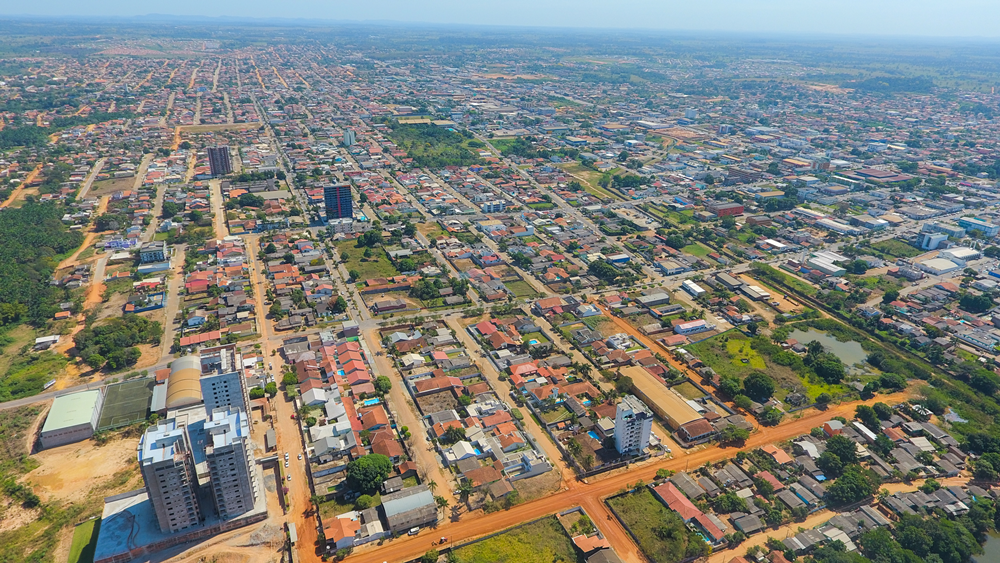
{"x": 590, "y": 496}
{"x": 215, "y": 187}
{"x": 21, "y": 187}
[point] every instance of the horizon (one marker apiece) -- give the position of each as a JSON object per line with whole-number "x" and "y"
{"x": 825, "y": 19}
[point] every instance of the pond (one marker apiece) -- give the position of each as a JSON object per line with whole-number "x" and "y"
{"x": 849, "y": 352}
{"x": 991, "y": 550}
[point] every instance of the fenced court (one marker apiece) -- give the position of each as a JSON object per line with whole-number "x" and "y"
{"x": 126, "y": 403}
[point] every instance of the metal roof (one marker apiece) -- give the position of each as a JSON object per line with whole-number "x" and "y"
{"x": 72, "y": 410}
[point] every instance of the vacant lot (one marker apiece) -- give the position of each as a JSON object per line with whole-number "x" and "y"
{"x": 522, "y": 289}
{"x": 543, "y": 541}
{"x": 660, "y": 531}
{"x": 377, "y": 266}
{"x": 688, "y": 391}
{"x": 697, "y": 249}
{"x": 896, "y": 248}
{"x": 107, "y": 187}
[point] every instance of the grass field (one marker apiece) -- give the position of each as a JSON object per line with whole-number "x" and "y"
{"x": 378, "y": 266}
{"x": 543, "y": 541}
{"x": 588, "y": 179}
{"x": 660, "y": 531}
{"x": 535, "y": 336}
{"x": 84, "y": 542}
{"x": 28, "y": 374}
{"x": 522, "y": 289}
{"x": 697, "y": 249}
{"x": 897, "y": 248}
{"x": 126, "y": 403}
{"x": 688, "y": 391}
{"x": 741, "y": 353}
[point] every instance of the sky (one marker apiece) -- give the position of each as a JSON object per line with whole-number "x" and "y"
{"x": 939, "y": 18}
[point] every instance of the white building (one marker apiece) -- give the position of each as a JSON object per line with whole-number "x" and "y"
{"x": 633, "y": 425}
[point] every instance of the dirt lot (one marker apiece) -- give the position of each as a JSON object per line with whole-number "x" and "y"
{"x": 70, "y": 472}
{"x": 437, "y": 402}
{"x": 536, "y": 487}
{"x": 107, "y": 187}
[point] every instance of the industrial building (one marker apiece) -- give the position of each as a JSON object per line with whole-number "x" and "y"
{"x": 219, "y": 161}
{"x": 72, "y": 418}
{"x": 931, "y": 241}
{"x": 337, "y": 199}
{"x": 960, "y": 254}
{"x": 728, "y": 281}
{"x": 938, "y": 266}
{"x": 755, "y": 292}
{"x": 168, "y": 470}
{"x": 230, "y": 462}
{"x": 633, "y": 425}
{"x": 989, "y": 230}
{"x": 826, "y": 262}
{"x": 694, "y": 289}
{"x": 725, "y": 209}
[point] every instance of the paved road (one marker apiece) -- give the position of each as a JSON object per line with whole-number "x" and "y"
{"x": 90, "y": 179}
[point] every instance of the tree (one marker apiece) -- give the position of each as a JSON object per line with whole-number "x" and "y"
{"x": 975, "y": 303}
{"x": 271, "y": 389}
{"x": 729, "y": 502}
{"x": 256, "y": 393}
{"x": 830, "y": 464}
{"x": 354, "y": 275}
{"x": 289, "y": 379}
{"x": 465, "y": 491}
{"x": 829, "y": 367}
{"x": 733, "y": 433}
{"x": 729, "y": 386}
{"x": 453, "y": 434}
{"x": 868, "y": 417}
{"x": 368, "y": 472}
{"x": 823, "y": 399}
{"x": 270, "y": 248}
{"x": 853, "y": 485}
{"x": 96, "y": 361}
{"x": 363, "y": 502}
{"x": 743, "y": 402}
{"x": 764, "y": 487}
{"x": 844, "y": 448}
{"x": 890, "y": 296}
{"x": 771, "y": 416}
{"x": 882, "y": 411}
{"x": 382, "y": 384}
{"x": 441, "y": 501}
{"x": 623, "y": 384}
{"x": 275, "y": 310}
{"x": 758, "y": 386}
{"x": 432, "y": 555}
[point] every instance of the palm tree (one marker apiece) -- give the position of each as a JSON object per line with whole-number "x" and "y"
{"x": 465, "y": 491}
{"x": 441, "y": 501}
{"x": 432, "y": 485}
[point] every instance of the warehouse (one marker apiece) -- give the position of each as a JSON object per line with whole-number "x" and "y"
{"x": 728, "y": 281}
{"x": 938, "y": 266}
{"x": 694, "y": 289}
{"x": 755, "y": 292}
{"x": 72, "y": 418}
{"x": 668, "y": 405}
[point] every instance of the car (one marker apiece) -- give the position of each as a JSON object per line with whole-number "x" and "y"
{"x": 286, "y": 456}
{"x": 286, "y": 463}
{"x": 289, "y": 478}
{"x": 269, "y": 366}
{"x": 413, "y": 531}
{"x": 300, "y": 456}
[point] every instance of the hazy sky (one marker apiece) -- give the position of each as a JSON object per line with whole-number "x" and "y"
{"x": 951, "y": 18}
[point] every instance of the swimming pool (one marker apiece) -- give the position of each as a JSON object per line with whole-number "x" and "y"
{"x": 594, "y": 435}
{"x": 340, "y": 372}
{"x": 533, "y": 341}
{"x": 370, "y": 402}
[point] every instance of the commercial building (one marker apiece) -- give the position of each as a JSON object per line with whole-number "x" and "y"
{"x": 72, "y": 418}
{"x": 946, "y": 228}
{"x": 409, "y": 508}
{"x": 230, "y": 462}
{"x": 938, "y": 266}
{"x": 219, "y": 162}
{"x": 168, "y": 470}
{"x": 960, "y": 254}
{"x": 755, "y": 292}
{"x": 973, "y": 224}
{"x": 154, "y": 251}
{"x": 930, "y": 241}
{"x": 349, "y": 137}
{"x": 339, "y": 204}
{"x": 633, "y": 425}
{"x": 493, "y": 206}
{"x": 725, "y": 209}
{"x": 665, "y": 403}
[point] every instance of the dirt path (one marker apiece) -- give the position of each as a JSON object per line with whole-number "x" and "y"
{"x": 218, "y": 210}
{"x": 173, "y": 301}
{"x": 22, "y": 186}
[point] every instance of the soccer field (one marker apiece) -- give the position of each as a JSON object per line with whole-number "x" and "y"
{"x": 126, "y": 403}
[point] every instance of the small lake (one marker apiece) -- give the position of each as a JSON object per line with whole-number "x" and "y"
{"x": 991, "y": 550}
{"x": 849, "y": 352}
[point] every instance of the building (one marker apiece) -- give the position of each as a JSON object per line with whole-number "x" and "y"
{"x": 349, "y": 137}
{"x": 230, "y": 462}
{"x": 154, "y": 251}
{"x": 72, "y": 418}
{"x": 168, "y": 470}
{"x": 989, "y": 230}
{"x": 633, "y": 425}
{"x": 493, "y": 206}
{"x": 930, "y": 241}
{"x": 409, "y": 508}
{"x": 938, "y": 266}
{"x": 219, "y": 162}
{"x": 183, "y": 384}
{"x": 725, "y": 209}
{"x": 339, "y": 204}
{"x": 222, "y": 383}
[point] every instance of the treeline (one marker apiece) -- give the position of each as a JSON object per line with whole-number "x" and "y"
{"x": 892, "y": 84}
{"x": 27, "y": 136}
{"x": 524, "y": 148}
{"x": 95, "y": 117}
{"x": 32, "y": 237}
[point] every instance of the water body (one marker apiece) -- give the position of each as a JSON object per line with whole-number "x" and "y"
{"x": 991, "y": 550}
{"x": 849, "y": 352}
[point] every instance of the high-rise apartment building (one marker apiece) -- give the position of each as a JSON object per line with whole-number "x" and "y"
{"x": 349, "y": 137}
{"x": 338, "y": 201}
{"x": 219, "y": 161}
{"x": 168, "y": 469}
{"x": 633, "y": 425}
{"x": 230, "y": 462}
{"x": 222, "y": 383}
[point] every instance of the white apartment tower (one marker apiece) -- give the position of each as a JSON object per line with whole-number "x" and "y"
{"x": 230, "y": 462}
{"x": 633, "y": 425}
{"x": 222, "y": 383}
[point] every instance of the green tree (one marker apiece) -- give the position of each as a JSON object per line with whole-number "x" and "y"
{"x": 368, "y": 472}
{"x": 289, "y": 379}
{"x": 256, "y": 393}
{"x": 758, "y": 386}
{"x": 867, "y": 416}
{"x": 853, "y": 485}
{"x": 382, "y": 385}
{"x": 844, "y": 448}
{"x": 432, "y": 555}
{"x": 830, "y": 464}
{"x": 743, "y": 402}
{"x": 363, "y": 502}
{"x": 271, "y": 389}
{"x": 883, "y": 411}
{"x": 733, "y": 433}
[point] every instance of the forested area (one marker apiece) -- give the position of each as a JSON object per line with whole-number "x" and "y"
{"x": 113, "y": 344}
{"x": 433, "y": 147}
{"x": 32, "y": 236}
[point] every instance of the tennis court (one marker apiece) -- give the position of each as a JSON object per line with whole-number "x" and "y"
{"x": 126, "y": 403}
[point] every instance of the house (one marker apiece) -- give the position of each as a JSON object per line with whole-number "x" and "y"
{"x": 409, "y": 508}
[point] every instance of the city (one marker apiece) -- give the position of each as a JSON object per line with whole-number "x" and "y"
{"x": 380, "y": 294}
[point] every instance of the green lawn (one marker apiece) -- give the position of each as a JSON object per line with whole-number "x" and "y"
{"x": 545, "y": 206}
{"x": 521, "y": 289}
{"x": 688, "y": 391}
{"x": 378, "y": 266}
{"x": 897, "y": 248}
{"x": 84, "y": 542}
{"x": 557, "y": 414}
{"x": 534, "y": 336}
{"x": 742, "y": 354}
{"x": 660, "y": 531}
{"x": 714, "y": 352}
{"x": 544, "y": 541}
{"x": 697, "y": 249}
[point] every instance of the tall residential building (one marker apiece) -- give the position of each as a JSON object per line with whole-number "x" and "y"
{"x": 218, "y": 161}
{"x": 222, "y": 383}
{"x": 349, "y": 137}
{"x": 168, "y": 469}
{"x": 338, "y": 201}
{"x": 230, "y": 462}
{"x": 633, "y": 425}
